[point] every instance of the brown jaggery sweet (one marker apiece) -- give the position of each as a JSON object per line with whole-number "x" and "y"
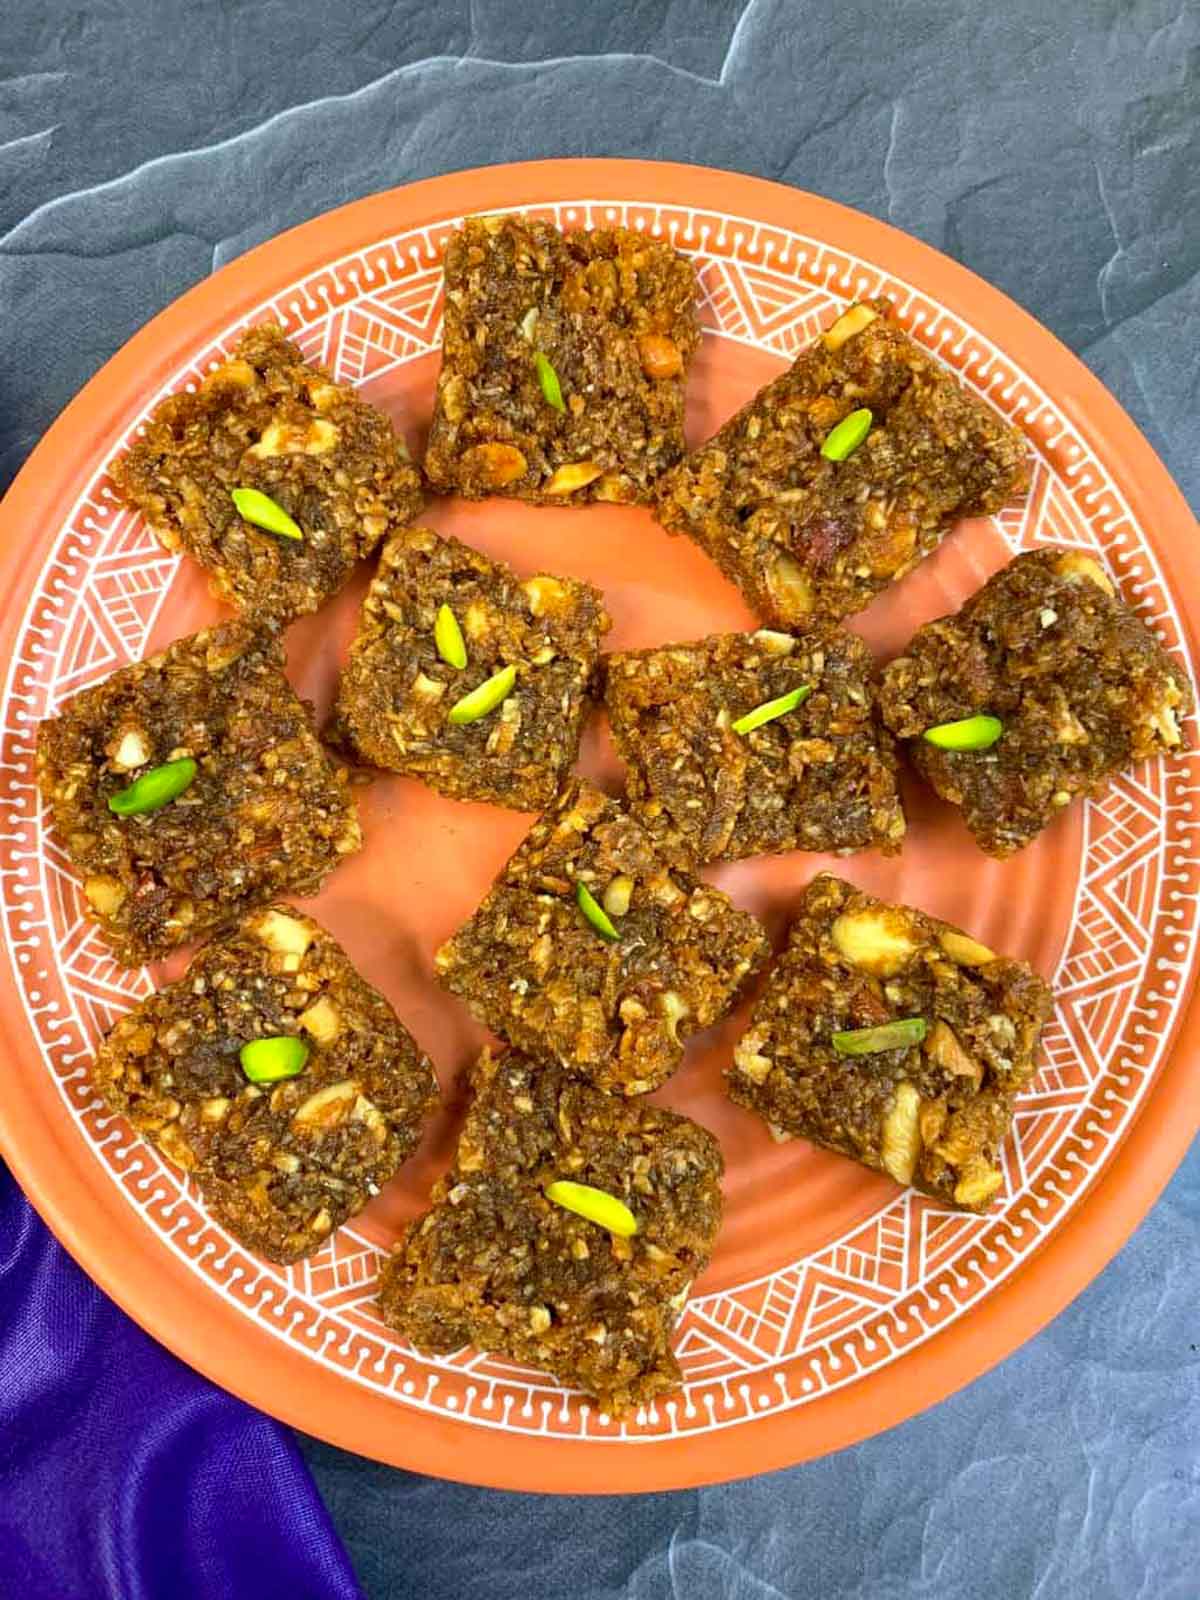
{"x": 496, "y": 1264}
{"x": 802, "y": 535}
{"x": 820, "y": 777}
{"x": 281, "y": 1165}
{"x": 266, "y": 814}
{"x": 267, "y": 420}
{"x": 614, "y": 315}
{"x": 396, "y": 691}
{"x": 935, "y": 1113}
{"x": 532, "y": 967}
{"x": 1080, "y": 684}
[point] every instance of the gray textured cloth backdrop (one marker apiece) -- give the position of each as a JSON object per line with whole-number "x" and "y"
{"x": 1054, "y": 148}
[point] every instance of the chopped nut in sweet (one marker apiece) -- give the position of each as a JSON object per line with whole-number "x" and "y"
{"x": 467, "y": 676}
{"x": 276, "y": 1077}
{"x": 189, "y": 787}
{"x": 563, "y": 363}
{"x": 273, "y": 477}
{"x": 752, "y": 744}
{"x": 1073, "y": 685}
{"x": 844, "y": 473}
{"x": 566, "y": 1235}
{"x": 591, "y": 951}
{"x": 891, "y": 1037}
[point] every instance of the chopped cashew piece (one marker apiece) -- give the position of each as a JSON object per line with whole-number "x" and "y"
{"x": 943, "y": 1046}
{"x": 978, "y": 1184}
{"x": 500, "y": 464}
{"x": 545, "y": 594}
{"x": 1074, "y": 564}
{"x": 324, "y": 395}
{"x": 366, "y": 1111}
{"x": 321, "y": 1020}
{"x": 575, "y": 475}
{"x": 878, "y": 939}
{"x": 790, "y": 588}
{"x": 773, "y": 642}
{"x": 674, "y": 1009}
{"x": 966, "y": 951}
{"x": 328, "y": 1106}
{"x": 426, "y": 688}
{"x": 288, "y": 439}
{"x": 902, "y": 1134}
{"x": 104, "y": 893}
{"x": 476, "y": 624}
{"x": 618, "y": 896}
{"x": 746, "y": 1057}
{"x": 847, "y": 325}
{"x": 239, "y": 373}
{"x": 175, "y": 1147}
{"x": 1166, "y": 725}
{"x": 660, "y": 357}
{"x": 285, "y": 935}
{"x": 132, "y": 751}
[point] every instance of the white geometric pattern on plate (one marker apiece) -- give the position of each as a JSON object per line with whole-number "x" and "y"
{"x": 820, "y": 1322}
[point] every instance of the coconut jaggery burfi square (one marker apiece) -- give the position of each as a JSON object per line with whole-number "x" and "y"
{"x": 564, "y": 360}
{"x": 267, "y": 420}
{"x": 280, "y": 1162}
{"x": 895, "y": 1039}
{"x": 590, "y": 951}
{"x": 498, "y": 1264}
{"x": 264, "y": 813}
{"x": 803, "y": 535}
{"x": 1079, "y": 687}
{"x": 722, "y": 765}
{"x": 398, "y": 691}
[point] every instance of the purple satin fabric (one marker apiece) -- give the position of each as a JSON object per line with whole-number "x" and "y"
{"x": 123, "y": 1474}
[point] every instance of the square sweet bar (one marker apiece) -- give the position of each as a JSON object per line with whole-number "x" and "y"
{"x": 844, "y": 473}
{"x": 752, "y": 744}
{"x": 1041, "y": 688}
{"x": 468, "y": 677}
{"x": 590, "y": 1294}
{"x": 189, "y": 787}
{"x": 563, "y": 362}
{"x": 274, "y": 1076}
{"x": 320, "y": 478}
{"x": 590, "y": 951}
{"x": 893, "y": 1038}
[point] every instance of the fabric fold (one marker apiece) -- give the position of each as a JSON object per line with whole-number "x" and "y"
{"x": 123, "y": 1474}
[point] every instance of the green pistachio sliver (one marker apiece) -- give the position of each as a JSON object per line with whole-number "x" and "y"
{"x": 594, "y": 1205}
{"x": 888, "y": 1036}
{"x": 770, "y": 709}
{"x": 486, "y": 697}
{"x": 447, "y": 635}
{"x": 548, "y": 378}
{"x": 595, "y": 914}
{"x": 154, "y": 789}
{"x": 971, "y": 733}
{"x": 850, "y": 432}
{"x": 262, "y": 511}
{"x": 272, "y": 1060}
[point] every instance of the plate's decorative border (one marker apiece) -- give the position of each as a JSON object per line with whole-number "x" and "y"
{"x": 818, "y": 1323}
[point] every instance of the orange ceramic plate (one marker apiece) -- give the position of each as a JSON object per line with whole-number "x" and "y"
{"x": 836, "y": 1304}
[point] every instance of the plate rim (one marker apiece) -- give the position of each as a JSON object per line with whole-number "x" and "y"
{"x": 51, "y": 1159}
